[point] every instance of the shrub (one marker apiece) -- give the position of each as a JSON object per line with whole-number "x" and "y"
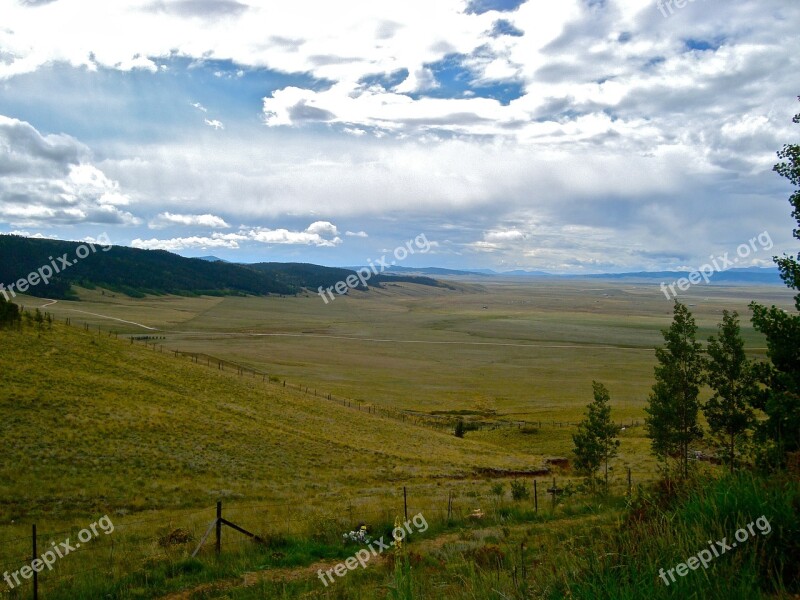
{"x": 519, "y": 491}
{"x": 488, "y": 556}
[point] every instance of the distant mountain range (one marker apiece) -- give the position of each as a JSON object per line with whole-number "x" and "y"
{"x": 747, "y": 275}
{"x": 138, "y": 272}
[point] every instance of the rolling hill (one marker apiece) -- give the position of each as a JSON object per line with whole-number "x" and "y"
{"x": 137, "y": 272}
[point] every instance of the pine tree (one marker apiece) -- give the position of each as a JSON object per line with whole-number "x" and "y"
{"x": 673, "y": 404}
{"x": 9, "y": 313}
{"x": 595, "y": 442}
{"x": 779, "y": 433}
{"x": 733, "y": 380}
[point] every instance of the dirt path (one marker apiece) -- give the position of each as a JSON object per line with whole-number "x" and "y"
{"x": 252, "y": 578}
{"x": 288, "y": 574}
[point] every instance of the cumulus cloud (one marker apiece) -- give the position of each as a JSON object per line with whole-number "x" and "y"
{"x": 321, "y": 234}
{"x": 323, "y": 228}
{"x": 205, "y": 9}
{"x": 183, "y": 243}
{"x": 167, "y": 219}
{"x": 360, "y": 234}
{"x": 487, "y": 116}
{"x": 48, "y": 179}
{"x": 37, "y": 235}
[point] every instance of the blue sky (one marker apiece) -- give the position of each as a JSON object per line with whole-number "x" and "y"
{"x": 577, "y": 136}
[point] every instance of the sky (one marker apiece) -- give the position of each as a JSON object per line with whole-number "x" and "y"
{"x": 568, "y": 136}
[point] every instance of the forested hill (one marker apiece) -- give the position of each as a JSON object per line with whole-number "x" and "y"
{"x": 314, "y": 276}
{"x": 137, "y": 272}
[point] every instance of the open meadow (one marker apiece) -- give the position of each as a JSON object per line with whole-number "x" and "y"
{"x": 107, "y": 418}
{"x": 525, "y": 350}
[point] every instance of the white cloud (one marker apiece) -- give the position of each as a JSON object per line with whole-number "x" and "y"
{"x": 167, "y": 219}
{"x": 360, "y": 234}
{"x": 137, "y": 62}
{"x": 323, "y": 228}
{"x": 320, "y": 234}
{"x": 510, "y": 235}
{"x": 314, "y": 235}
{"x": 49, "y": 179}
{"x": 183, "y": 243}
{"x": 619, "y": 127}
{"x": 38, "y": 235}
{"x": 214, "y": 123}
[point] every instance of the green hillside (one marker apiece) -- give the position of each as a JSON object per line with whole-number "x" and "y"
{"x": 111, "y": 425}
{"x": 59, "y": 265}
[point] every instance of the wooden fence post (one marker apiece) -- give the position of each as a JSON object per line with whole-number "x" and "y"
{"x": 219, "y": 527}
{"x": 535, "y": 498}
{"x": 35, "y": 573}
{"x": 629, "y": 481}
{"x": 405, "y": 503}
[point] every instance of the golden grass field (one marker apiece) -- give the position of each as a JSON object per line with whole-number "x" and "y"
{"x": 96, "y": 425}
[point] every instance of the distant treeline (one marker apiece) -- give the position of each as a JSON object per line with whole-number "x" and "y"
{"x": 136, "y": 272}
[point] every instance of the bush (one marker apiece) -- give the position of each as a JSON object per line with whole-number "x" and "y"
{"x": 488, "y": 556}
{"x": 9, "y": 313}
{"x": 519, "y": 491}
{"x": 459, "y": 431}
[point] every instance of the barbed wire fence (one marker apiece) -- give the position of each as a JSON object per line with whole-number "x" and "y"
{"x": 137, "y": 544}
{"x": 442, "y": 422}
{"x": 132, "y": 546}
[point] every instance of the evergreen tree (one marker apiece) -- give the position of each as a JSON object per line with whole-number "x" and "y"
{"x": 779, "y": 433}
{"x": 595, "y": 442}
{"x": 732, "y": 378}
{"x": 9, "y": 313}
{"x": 673, "y": 404}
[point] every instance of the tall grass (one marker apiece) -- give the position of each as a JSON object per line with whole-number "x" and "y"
{"x": 665, "y": 528}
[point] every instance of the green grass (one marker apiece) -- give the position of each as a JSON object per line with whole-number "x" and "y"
{"x": 95, "y": 425}
{"x": 531, "y": 354}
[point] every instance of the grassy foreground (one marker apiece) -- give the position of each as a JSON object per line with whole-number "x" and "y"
{"x": 95, "y": 425}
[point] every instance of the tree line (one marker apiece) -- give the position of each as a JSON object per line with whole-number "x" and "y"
{"x": 755, "y": 405}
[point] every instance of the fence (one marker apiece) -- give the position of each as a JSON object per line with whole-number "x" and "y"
{"x": 134, "y": 542}
{"x": 435, "y": 421}
{"x": 140, "y": 543}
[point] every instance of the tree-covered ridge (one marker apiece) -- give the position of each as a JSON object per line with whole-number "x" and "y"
{"x": 137, "y": 272}
{"x": 127, "y": 270}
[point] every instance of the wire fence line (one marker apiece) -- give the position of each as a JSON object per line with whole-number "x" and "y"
{"x": 133, "y": 546}
{"x": 441, "y": 422}
{"x": 133, "y": 542}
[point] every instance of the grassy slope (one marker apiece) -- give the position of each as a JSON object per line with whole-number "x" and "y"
{"x": 93, "y": 424}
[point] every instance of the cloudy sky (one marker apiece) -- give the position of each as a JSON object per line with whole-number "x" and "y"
{"x": 567, "y": 136}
